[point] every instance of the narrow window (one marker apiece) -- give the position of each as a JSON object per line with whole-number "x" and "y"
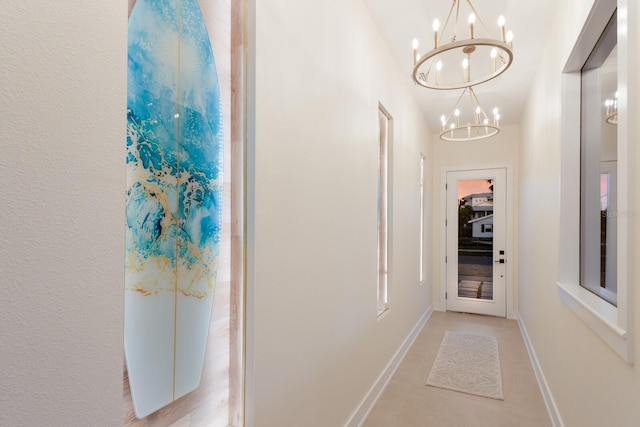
{"x": 384, "y": 122}
{"x": 422, "y": 207}
{"x": 598, "y": 168}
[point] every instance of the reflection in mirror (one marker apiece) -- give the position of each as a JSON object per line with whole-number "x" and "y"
{"x": 598, "y": 168}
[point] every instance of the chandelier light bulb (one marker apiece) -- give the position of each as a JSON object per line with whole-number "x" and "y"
{"x": 438, "y": 68}
{"x": 416, "y": 55}
{"x": 436, "y": 25}
{"x": 443, "y": 119}
{"x": 478, "y": 110}
{"x": 456, "y": 113}
{"x": 501, "y": 25}
{"x": 465, "y": 70}
{"x": 509, "y": 37}
{"x": 485, "y": 121}
{"x": 472, "y": 20}
{"x": 494, "y": 55}
{"x": 495, "y": 111}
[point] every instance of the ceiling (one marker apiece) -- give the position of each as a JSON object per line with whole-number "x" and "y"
{"x": 400, "y": 21}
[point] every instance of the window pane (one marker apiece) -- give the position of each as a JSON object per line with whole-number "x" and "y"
{"x": 475, "y": 239}
{"x": 422, "y": 201}
{"x": 383, "y": 211}
{"x": 598, "y": 168}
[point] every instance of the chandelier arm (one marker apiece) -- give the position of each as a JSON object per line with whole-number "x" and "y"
{"x": 456, "y": 105}
{"x": 444, "y": 28}
{"x": 473, "y": 9}
{"x": 484, "y": 114}
{"x": 429, "y": 70}
{"x": 460, "y": 98}
{"x": 475, "y": 97}
{"x": 455, "y": 29}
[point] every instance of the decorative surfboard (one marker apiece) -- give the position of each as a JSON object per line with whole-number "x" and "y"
{"x": 174, "y": 198}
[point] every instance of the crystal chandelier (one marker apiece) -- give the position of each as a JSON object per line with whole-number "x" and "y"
{"x": 470, "y": 124}
{"x": 462, "y": 63}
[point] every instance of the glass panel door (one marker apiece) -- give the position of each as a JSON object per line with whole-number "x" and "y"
{"x": 476, "y": 241}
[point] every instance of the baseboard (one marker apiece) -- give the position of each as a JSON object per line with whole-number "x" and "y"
{"x": 550, "y": 403}
{"x": 360, "y": 414}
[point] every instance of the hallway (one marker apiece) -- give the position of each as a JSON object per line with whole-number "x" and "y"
{"x": 408, "y": 402}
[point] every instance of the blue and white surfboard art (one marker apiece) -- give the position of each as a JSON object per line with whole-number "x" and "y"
{"x": 174, "y": 200}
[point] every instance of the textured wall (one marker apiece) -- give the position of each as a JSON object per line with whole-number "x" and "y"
{"x": 62, "y": 122}
{"x": 321, "y": 68}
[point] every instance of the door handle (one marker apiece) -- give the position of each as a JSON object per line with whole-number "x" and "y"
{"x": 501, "y": 261}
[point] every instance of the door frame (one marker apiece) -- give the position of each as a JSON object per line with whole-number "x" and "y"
{"x": 509, "y": 230}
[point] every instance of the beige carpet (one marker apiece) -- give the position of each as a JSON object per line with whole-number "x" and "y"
{"x": 468, "y": 363}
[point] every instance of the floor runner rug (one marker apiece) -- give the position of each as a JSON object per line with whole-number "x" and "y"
{"x": 468, "y": 363}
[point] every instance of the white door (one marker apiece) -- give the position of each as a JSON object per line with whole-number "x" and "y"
{"x": 476, "y": 241}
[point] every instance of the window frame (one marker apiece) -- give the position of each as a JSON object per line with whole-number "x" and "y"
{"x": 592, "y": 142}
{"x": 423, "y": 199}
{"x": 384, "y": 196}
{"x": 610, "y": 323}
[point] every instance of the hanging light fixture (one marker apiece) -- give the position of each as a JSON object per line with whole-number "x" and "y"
{"x": 471, "y": 123}
{"x": 481, "y": 59}
{"x": 611, "y": 105}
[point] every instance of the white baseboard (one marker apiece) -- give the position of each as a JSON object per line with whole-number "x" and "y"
{"x": 360, "y": 414}
{"x": 550, "y": 403}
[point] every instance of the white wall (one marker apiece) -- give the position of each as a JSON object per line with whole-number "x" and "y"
{"x": 501, "y": 149}
{"x": 591, "y": 385}
{"x": 321, "y": 68}
{"x": 62, "y": 122}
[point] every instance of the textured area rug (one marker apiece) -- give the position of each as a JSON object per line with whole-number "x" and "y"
{"x": 468, "y": 363}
